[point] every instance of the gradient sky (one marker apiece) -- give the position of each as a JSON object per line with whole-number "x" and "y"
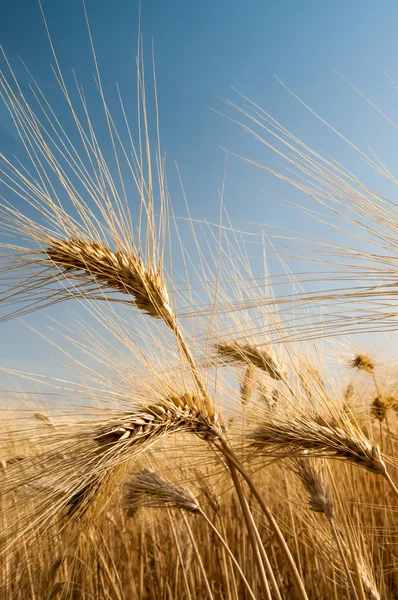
{"x": 201, "y": 50}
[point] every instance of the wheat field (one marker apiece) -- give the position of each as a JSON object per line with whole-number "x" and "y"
{"x": 214, "y": 437}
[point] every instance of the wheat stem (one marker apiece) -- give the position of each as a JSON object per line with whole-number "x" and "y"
{"x": 265, "y": 559}
{"x": 227, "y": 548}
{"x": 198, "y": 557}
{"x": 297, "y": 581}
{"x": 251, "y": 531}
{"x": 343, "y": 558}
{"x": 172, "y": 323}
{"x": 179, "y": 555}
{"x": 233, "y": 578}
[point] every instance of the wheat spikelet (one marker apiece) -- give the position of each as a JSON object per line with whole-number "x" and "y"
{"x": 349, "y": 393}
{"x": 367, "y": 578}
{"x": 320, "y": 438}
{"x": 186, "y": 549}
{"x": 348, "y": 398}
{"x": 40, "y": 416}
{"x": 147, "y": 489}
{"x": 311, "y": 476}
{"x": 362, "y": 362}
{"x": 236, "y": 353}
{"x": 310, "y": 379}
{"x": 356, "y": 555}
{"x": 381, "y": 405}
{"x": 120, "y": 271}
{"x": 11, "y": 461}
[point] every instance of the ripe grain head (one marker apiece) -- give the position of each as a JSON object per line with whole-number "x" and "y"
{"x": 148, "y": 489}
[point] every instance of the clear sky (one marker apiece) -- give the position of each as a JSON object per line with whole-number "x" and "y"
{"x": 201, "y": 50}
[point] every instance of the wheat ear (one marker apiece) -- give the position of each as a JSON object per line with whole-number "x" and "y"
{"x": 337, "y": 440}
{"x": 319, "y": 437}
{"x": 247, "y": 384}
{"x": 92, "y": 263}
{"x": 236, "y": 353}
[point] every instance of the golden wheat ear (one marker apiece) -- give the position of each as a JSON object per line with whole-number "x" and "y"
{"x": 147, "y": 489}
{"x": 90, "y": 265}
{"x": 236, "y": 353}
{"x": 311, "y": 476}
{"x": 318, "y": 437}
{"x": 83, "y": 268}
{"x": 77, "y": 232}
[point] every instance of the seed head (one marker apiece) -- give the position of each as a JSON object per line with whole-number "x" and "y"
{"x": 381, "y": 405}
{"x": 147, "y": 489}
{"x": 113, "y": 271}
{"x": 362, "y": 362}
{"x": 237, "y": 353}
{"x": 247, "y": 384}
{"x": 343, "y": 441}
{"x": 311, "y": 476}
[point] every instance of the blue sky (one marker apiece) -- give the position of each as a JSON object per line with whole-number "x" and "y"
{"x": 201, "y": 50}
